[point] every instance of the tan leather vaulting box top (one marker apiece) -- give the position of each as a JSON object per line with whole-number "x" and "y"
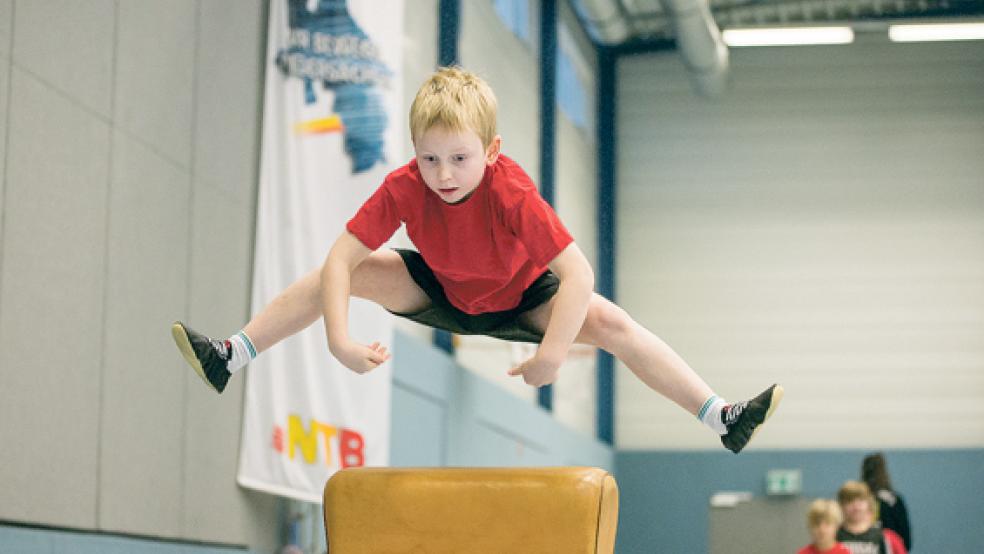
{"x": 569, "y": 510}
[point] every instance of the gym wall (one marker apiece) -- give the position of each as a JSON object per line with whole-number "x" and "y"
{"x": 129, "y": 150}
{"x": 129, "y": 161}
{"x": 822, "y": 226}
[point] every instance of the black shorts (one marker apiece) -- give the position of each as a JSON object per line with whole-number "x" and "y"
{"x": 505, "y": 325}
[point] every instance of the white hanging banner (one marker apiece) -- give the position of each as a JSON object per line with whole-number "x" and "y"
{"x": 331, "y": 132}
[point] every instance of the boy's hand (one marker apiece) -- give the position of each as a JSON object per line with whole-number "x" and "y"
{"x": 360, "y": 358}
{"x": 537, "y": 371}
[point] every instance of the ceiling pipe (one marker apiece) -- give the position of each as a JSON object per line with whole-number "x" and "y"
{"x": 700, "y": 44}
{"x": 604, "y": 20}
{"x": 697, "y": 36}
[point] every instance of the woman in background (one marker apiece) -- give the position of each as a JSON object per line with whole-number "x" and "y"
{"x": 891, "y": 508}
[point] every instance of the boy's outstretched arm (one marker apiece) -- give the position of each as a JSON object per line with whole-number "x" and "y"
{"x": 336, "y": 286}
{"x": 566, "y": 318}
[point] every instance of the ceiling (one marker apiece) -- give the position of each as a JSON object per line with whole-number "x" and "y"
{"x": 646, "y": 19}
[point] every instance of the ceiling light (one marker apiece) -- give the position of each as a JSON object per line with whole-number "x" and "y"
{"x": 788, "y": 36}
{"x": 937, "y": 31}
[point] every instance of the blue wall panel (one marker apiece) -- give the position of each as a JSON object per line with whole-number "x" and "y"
{"x": 446, "y": 415}
{"x": 418, "y": 440}
{"x": 27, "y": 540}
{"x": 423, "y": 387}
{"x": 14, "y": 540}
{"x": 664, "y": 495}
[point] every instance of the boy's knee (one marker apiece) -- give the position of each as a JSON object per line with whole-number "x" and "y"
{"x": 377, "y": 266}
{"x": 610, "y": 322}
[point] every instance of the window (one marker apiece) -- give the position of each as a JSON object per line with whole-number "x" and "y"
{"x": 572, "y": 76}
{"x": 515, "y": 14}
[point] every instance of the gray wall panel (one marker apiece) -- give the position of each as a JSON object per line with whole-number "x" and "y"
{"x": 177, "y": 206}
{"x": 420, "y": 31}
{"x": 229, "y": 81}
{"x": 6, "y": 34}
{"x": 419, "y": 57}
{"x": 221, "y": 255}
{"x": 576, "y": 203}
{"x": 155, "y": 52}
{"x": 510, "y": 67}
{"x": 228, "y": 78}
{"x": 777, "y": 520}
{"x": 221, "y": 259}
{"x": 69, "y": 45}
{"x": 225, "y": 158}
{"x": 141, "y": 423}
{"x": 142, "y": 430}
{"x": 4, "y": 97}
{"x": 52, "y": 297}
{"x": 819, "y": 225}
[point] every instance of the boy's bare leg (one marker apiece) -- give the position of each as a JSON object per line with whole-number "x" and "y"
{"x": 381, "y": 278}
{"x": 290, "y": 312}
{"x": 610, "y": 328}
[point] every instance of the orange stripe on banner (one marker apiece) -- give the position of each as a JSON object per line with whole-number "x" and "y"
{"x": 331, "y": 124}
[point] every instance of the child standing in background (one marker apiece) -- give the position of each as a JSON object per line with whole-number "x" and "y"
{"x": 822, "y": 519}
{"x": 860, "y": 533}
{"x": 492, "y": 259}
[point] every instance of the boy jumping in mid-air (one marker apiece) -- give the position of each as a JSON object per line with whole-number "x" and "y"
{"x": 493, "y": 259}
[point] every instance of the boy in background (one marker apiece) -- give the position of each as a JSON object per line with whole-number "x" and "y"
{"x": 859, "y": 532}
{"x": 822, "y": 519}
{"x": 492, "y": 258}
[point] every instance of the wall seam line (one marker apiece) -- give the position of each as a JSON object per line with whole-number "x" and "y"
{"x": 196, "y": 58}
{"x": 6, "y": 143}
{"x": 96, "y": 115}
{"x": 106, "y": 259}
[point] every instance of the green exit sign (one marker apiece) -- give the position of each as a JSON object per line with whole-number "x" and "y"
{"x": 784, "y": 481}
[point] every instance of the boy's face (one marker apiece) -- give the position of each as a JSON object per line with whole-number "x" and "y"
{"x": 857, "y": 511}
{"x": 824, "y": 533}
{"x": 453, "y": 162}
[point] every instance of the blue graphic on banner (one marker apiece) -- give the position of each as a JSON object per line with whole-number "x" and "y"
{"x": 327, "y": 46}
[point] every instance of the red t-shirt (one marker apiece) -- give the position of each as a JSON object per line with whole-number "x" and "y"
{"x": 894, "y": 541}
{"x": 838, "y": 548}
{"x": 486, "y": 250}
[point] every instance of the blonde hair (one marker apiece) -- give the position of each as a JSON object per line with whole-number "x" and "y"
{"x": 824, "y": 510}
{"x": 855, "y": 490}
{"x": 457, "y": 100}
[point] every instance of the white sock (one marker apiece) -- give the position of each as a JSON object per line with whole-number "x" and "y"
{"x": 242, "y": 351}
{"x": 710, "y": 414}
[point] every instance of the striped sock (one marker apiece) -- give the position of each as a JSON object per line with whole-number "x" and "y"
{"x": 710, "y": 414}
{"x": 242, "y": 351}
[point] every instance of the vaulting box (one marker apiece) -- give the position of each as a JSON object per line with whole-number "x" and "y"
{"x": 569, "y": 510}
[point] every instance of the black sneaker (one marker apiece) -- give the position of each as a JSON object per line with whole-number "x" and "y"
{"x": 743, "y": 418}
{"x": 208, "y": 357}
